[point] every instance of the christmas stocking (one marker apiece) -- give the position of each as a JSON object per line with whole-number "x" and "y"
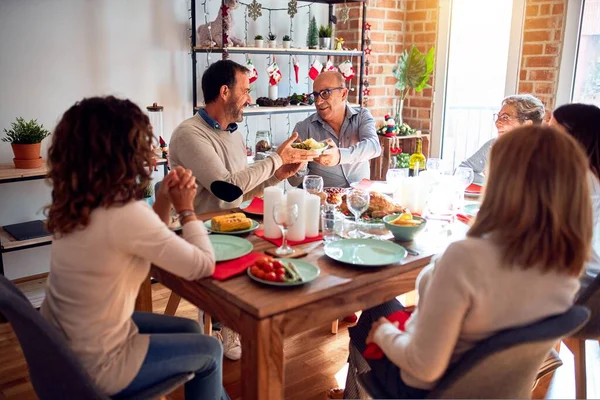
{"x": 274, "y": 73}
{"x": 253, "y": 73}
{"x": 329, "y": 66}
{"x": 347, "y": 70}
{"x": 315, "y": 69}
{"x": 296, "y": 67}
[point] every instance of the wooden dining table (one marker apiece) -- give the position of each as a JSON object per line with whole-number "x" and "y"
{"x": 265, "y": 316}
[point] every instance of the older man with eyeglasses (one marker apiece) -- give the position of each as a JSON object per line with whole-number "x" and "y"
{"x": 350, "y": 134}
{"x": 517, "y": 110}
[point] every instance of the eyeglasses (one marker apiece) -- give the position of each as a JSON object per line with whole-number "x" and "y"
{"x": 326, "y": 93}
{"x": 503, "y": 117}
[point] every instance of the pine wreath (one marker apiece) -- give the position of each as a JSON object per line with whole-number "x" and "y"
{"x": 292, "y": 8}
{"x": 255, "y": 10}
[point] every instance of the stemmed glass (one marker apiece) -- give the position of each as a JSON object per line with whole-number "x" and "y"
{"x": 465, "y": 175}
{"x": 434, "y": 164}
{"x": 285, "y": 215}
{"x": 313, "y": 184}
{"x": 358, "y": 202}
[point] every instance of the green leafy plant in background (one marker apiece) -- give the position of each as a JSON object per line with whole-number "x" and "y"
{"x": 272, "y": 36}
{"x": 412, "y": 71}
{"x": 148, "y": 191}
{"x": 286, "y": 38}
{"x": 258, "y": 37}
{"x": 312, "y": 37}
{"x": 23, "y": 132}
{"x": 325, "y": 31}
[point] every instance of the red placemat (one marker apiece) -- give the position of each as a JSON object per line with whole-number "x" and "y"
{"x": 464, "y": 218}
{"x": 364, "y": 184}
{"x": 261, "y": 234}
{"x": 473, "y": 188}
{"x": 227, "y": 269}
{"x": 256, "y": 206}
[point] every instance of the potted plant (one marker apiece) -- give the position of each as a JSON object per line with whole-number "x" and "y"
{"x": 312, "y": 37}
{"x": 148, "y": 193}
{"x": 413, "y": 72}
{"x": 325, "y": 37}
{"x": 258, "y": 41}
{"x": 272, "y": 40}
{"x": 26, "y": 140}
{"x": 287, "y": 41}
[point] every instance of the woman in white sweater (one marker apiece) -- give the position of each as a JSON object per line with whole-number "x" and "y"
{"x": 519, "y": 263}
{"x": 582, "y": 121}
{"x": 105, "y": 238}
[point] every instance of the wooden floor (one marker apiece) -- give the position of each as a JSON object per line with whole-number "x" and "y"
{"x": 315, "y": 362}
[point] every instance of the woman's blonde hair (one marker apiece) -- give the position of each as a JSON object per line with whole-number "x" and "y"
{"x": 537, "y": 204}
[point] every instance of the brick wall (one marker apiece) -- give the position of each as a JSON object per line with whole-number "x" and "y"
{"x": 542, "y": 48}
{"x": 397, "y": 24}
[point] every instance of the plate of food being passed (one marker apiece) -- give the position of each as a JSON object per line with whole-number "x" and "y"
{"x": 231, "y": 224}
{"x": 311, "y": 144}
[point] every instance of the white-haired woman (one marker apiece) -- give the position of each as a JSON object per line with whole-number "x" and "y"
{"x": 517, "y": 110}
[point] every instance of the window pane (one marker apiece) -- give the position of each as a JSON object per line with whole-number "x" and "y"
{"x": 476, "y": 78}
{"x": 587, "y": 72}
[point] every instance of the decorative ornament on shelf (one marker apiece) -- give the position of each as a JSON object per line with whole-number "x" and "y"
{"x": 255, "y": 10}
{"x": 366, "y": 91}
{"x": 252, "y": 71}
{"x": 329, "y": 65}
{"x": 292, "y": 8}
{"x": 211, "y": 34}
{"x": 367, "y": 50}
{"x": 390, "y": 127}
{"x": 315, "y": 69}
{"x": 312, "y": 37}
{"x": 367, "y": 26}
{"x": 274, "y": 73}
{"x": 347, "y": 70}
{"x": 165, "y": 150}
{"x": 344, "y": 13}
{"x": 296, "y": 67}
{"x": 339, "y": 43}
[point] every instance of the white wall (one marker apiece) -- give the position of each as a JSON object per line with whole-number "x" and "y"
{"x": 55, "y": 52}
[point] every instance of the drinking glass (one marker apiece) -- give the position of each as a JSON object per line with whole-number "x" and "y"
{"x": 466, "y": 176}
{"x": 313, "y": 184}
{"x": 395, "y": 175}
{"x": 434, "y": 164}
{"x": 332, "y": 222}
{"x": 285, "y": 215}
{"x": 358, "y": 202}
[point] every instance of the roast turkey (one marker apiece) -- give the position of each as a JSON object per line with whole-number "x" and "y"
{"x": 380, "y": 205}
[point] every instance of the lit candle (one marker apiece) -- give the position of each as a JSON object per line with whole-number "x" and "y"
{"x": 272, "y": 196}
{"x": 296, "y": 232}
{"x": 313, "y": 207}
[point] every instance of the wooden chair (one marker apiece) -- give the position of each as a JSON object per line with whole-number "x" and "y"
{"x": 590, "y": 298}
{"x": 504, "y": 366}
{"x": 380, "y": 165}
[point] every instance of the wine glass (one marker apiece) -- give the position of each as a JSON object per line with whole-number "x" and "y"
{"x": 313, "y": 184}
{"x": 465, "y": 175}
{"x": 285, "y": 215}
{"x": 358, "y": 202}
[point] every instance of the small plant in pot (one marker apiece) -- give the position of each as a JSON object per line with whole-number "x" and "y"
{"x": 148, "y": 193}
{"x": 272, "y": 40}
{"x": 325, "y": 33}
{"x": 26, "y": 141}
{"x": 259, "y": 41}
{"x": 287, "y": 41}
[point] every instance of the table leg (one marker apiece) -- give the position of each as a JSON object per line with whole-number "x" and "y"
{"x": 262, "y": 359}
{"x": 143, "y": 302}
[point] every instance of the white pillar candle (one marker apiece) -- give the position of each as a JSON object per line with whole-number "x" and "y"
{"x": 272, "y": 196}
{"x": 313, "y": 208}
{"x": 273, "y": 92}
{"x": 297, "y": 232}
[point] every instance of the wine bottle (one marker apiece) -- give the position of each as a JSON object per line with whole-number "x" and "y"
{"x": 417, "y": 159}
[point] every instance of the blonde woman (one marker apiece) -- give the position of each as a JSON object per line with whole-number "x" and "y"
{"x": 520, "y": 262}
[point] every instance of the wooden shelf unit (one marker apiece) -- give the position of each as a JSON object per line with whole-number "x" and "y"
{"x": 279, "y": 51}
{"x": 380, "y": 165}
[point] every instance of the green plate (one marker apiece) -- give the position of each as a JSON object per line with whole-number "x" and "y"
{"x": 365, "y": 252}
{"x": 229, "y": 247}
{"x": 253, "y": 227}
{"x": 309, "y": 272}
{"x": 472, "y": 209}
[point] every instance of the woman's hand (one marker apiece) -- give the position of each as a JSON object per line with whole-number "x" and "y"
{"x": 184, "y": 192}
{"x": 376, "y": 325}
{"x": 169, "y": 181}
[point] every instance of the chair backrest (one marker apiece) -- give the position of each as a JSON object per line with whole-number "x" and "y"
{"x": 54, "y": 370}
{"x": 590, "y": 298}
{"x": 505, "y": 365}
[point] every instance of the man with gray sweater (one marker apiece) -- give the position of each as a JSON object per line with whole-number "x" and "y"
{"x": 210, "y": 146}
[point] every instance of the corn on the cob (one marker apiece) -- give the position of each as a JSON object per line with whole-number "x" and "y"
{"x": 233, "y": 223}
{"x": 228, "y": 216}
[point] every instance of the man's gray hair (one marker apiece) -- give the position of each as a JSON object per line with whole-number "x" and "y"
{"x": 529, "y": 108}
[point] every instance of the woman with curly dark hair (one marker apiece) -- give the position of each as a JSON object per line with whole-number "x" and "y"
{"x": 104, "y": 241}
